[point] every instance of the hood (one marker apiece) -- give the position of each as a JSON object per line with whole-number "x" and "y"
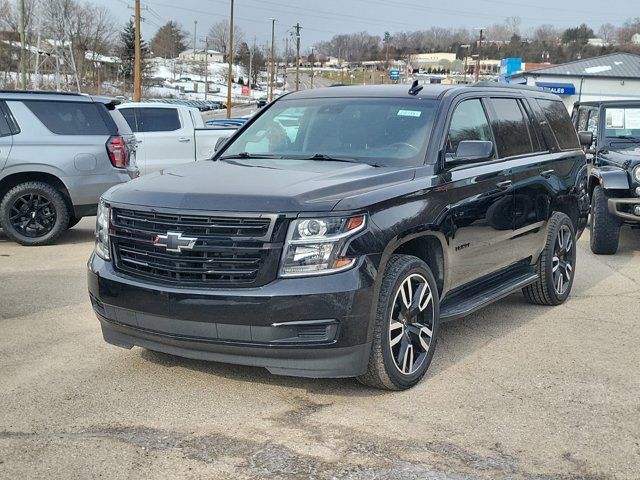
{"x": 256, "y": 185}
{"x": 622, "y": 154}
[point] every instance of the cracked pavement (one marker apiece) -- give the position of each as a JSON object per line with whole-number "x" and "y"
{"x": 514, "y": 391}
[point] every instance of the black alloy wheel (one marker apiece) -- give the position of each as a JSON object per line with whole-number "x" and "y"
{"x": 563, "y": 259}
{"x": 34, "y": 213}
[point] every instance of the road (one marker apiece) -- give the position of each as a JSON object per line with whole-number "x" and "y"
{"x": 515, "y": 391}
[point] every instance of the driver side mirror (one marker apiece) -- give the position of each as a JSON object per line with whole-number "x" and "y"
{"x": 586, "y": 138}
{"x": 470, "y": 151}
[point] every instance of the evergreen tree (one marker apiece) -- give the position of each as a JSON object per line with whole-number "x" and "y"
{"x": 168, "y": 41}
{"x": 126, "y": 52}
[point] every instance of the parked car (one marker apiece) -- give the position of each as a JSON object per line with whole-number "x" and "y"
{"x": 339, "y": 252}
{"x": 170, "y": 134}
{"x": 611, "y": 132}
{"x": 58, "y": 154}
{"x": 262, "y": 102}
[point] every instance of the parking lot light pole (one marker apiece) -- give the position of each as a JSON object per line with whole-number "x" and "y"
{"x": 230, "y": 60}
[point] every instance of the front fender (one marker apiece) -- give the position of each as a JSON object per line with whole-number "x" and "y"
{"x": 610, "y": 177}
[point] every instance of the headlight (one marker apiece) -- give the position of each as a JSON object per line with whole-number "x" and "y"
{"x": 636, "y": 174}
{"x": 314, "y": 245}
{"x": 102, "y": 231}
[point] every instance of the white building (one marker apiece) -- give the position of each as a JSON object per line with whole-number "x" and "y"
{"x": 608, "y": 77}
{"x": 199, "y": 55}
{"x": 635, "y": 38}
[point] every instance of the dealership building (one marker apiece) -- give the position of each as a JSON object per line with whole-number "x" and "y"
{"x": 609, "y": 77}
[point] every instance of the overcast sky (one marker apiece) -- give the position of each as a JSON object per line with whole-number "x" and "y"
{"x": 321, "y": 19}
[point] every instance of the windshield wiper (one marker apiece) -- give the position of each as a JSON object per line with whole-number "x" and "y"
{"x": 626, "y": 137}
{"x": 249, "y": 155}
{"x": 330, "y": 158}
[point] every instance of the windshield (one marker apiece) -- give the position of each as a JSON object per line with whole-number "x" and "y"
{"x": 380, "y": 131}
{"x": 623, "y": 122}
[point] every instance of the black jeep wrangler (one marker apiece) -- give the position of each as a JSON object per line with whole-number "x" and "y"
{"x": 336, "y": 230}
{"x": 611, "y": 129}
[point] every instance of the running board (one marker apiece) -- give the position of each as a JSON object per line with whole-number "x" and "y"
{"x": 460, "y": 305}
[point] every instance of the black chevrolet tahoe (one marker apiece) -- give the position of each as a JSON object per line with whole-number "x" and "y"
{"x": 611, "y": 129}
{"x": 336, "y": 230}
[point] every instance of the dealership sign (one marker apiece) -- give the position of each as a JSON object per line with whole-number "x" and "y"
{"x": 394, "y": 74}
{"x": 558, "y": 88}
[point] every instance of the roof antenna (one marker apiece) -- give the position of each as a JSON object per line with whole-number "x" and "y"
{"x": 415, "y": 88}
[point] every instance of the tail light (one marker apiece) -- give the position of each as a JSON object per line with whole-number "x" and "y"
{"x": 117, "y": 150}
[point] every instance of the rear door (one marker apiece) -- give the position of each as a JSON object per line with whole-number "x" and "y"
{"x": 6, "y": 134}
{"x": 480, "y": 201}
{"x": 165, "y": 139}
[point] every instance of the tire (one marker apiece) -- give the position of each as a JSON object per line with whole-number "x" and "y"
{"x": 605, "y": 228}
{"x": 556, "y": 265}
{"x": 29, "y": 206}
{"x": 73, "y": 221}
{"x": 404, "y": 339}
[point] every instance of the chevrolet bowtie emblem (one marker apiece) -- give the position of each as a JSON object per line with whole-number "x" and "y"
{"x": 174, "y": 242}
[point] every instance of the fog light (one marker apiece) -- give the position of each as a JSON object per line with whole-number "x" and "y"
{"x": 637, "y": 191}
{"x": 636, "y": 210}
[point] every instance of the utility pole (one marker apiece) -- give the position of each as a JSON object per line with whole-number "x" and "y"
{"x": 286, "y": 61}
{"x": 477, "y": 72}
{"x": 273, "y": 58}
{"x": 230, "y": 60}
{"x": 137, "y": 62}
{"x": 251, "y": 50}
{"x": 195, "y": 39}
{"x": 23, "y": 48}
{"x": 297, "y": 27}
{"x": 206, "y": 67}
{"x": 313, "y": 60}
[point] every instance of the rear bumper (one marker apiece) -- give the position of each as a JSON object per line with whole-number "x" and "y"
{"x": 87, "y": 189}
{"x": 617, "y": 205}
{"x": 312, "y": 327}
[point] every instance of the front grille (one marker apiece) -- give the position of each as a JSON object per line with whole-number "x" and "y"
{"x": 230, "y": 251}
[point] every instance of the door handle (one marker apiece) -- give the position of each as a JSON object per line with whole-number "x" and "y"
{"x": 504, "y": 185}
{"x": 547, "y": 173}
{"x": 184, "y": 139}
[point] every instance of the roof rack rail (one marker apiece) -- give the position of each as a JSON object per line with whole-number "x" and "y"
{"x": 42, "y": 92}
{"x": 515, "y": 86}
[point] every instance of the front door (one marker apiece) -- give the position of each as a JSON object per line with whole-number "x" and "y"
{"x": 480, "y": 201}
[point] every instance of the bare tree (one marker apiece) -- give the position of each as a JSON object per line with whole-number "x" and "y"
{"x": 219, "y": 36}
{"x": 607, "y": 32}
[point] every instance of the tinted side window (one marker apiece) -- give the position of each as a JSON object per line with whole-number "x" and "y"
{"x": 510, "y": 128}
{"x": 583, "y": 114}
{"x": 560, "y": 123}
{"x": 469, "y": 122}
{"x": 129, "y": 115}
{"x": 158, "y": 119}
{"x": 69, "y": 118}
{"x": 5, "y": 130}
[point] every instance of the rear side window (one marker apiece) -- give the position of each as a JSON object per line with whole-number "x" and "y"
{"x": 510, "y": 128}
{"x": 158, "y": 119}
{"x": 129, "y": 115}
{"x": 69, "y": 118}
{"x": 5, "y": 130}
{"x": 468, "y": 122}
{"x": 560, "y": 123}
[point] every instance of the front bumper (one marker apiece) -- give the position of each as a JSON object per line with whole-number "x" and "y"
{"x": 311, "y": 327}
{"x": 618, "y": 205}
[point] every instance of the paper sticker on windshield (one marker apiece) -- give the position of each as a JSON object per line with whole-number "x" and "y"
{"x": 409, "y": 113}
{"x": 615, "y": 118}
{"x": 632, "y": 118}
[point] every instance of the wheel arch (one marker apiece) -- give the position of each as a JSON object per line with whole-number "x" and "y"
{"x": 428, "y": 246}
{"x": 10, "y": 181}
{"x": 611, "y": 178}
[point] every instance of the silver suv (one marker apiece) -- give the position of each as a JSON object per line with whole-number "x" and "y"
{"x": 58, "y": 153}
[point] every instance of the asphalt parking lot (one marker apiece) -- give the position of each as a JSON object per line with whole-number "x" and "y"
{"x": 514, "y": 391}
